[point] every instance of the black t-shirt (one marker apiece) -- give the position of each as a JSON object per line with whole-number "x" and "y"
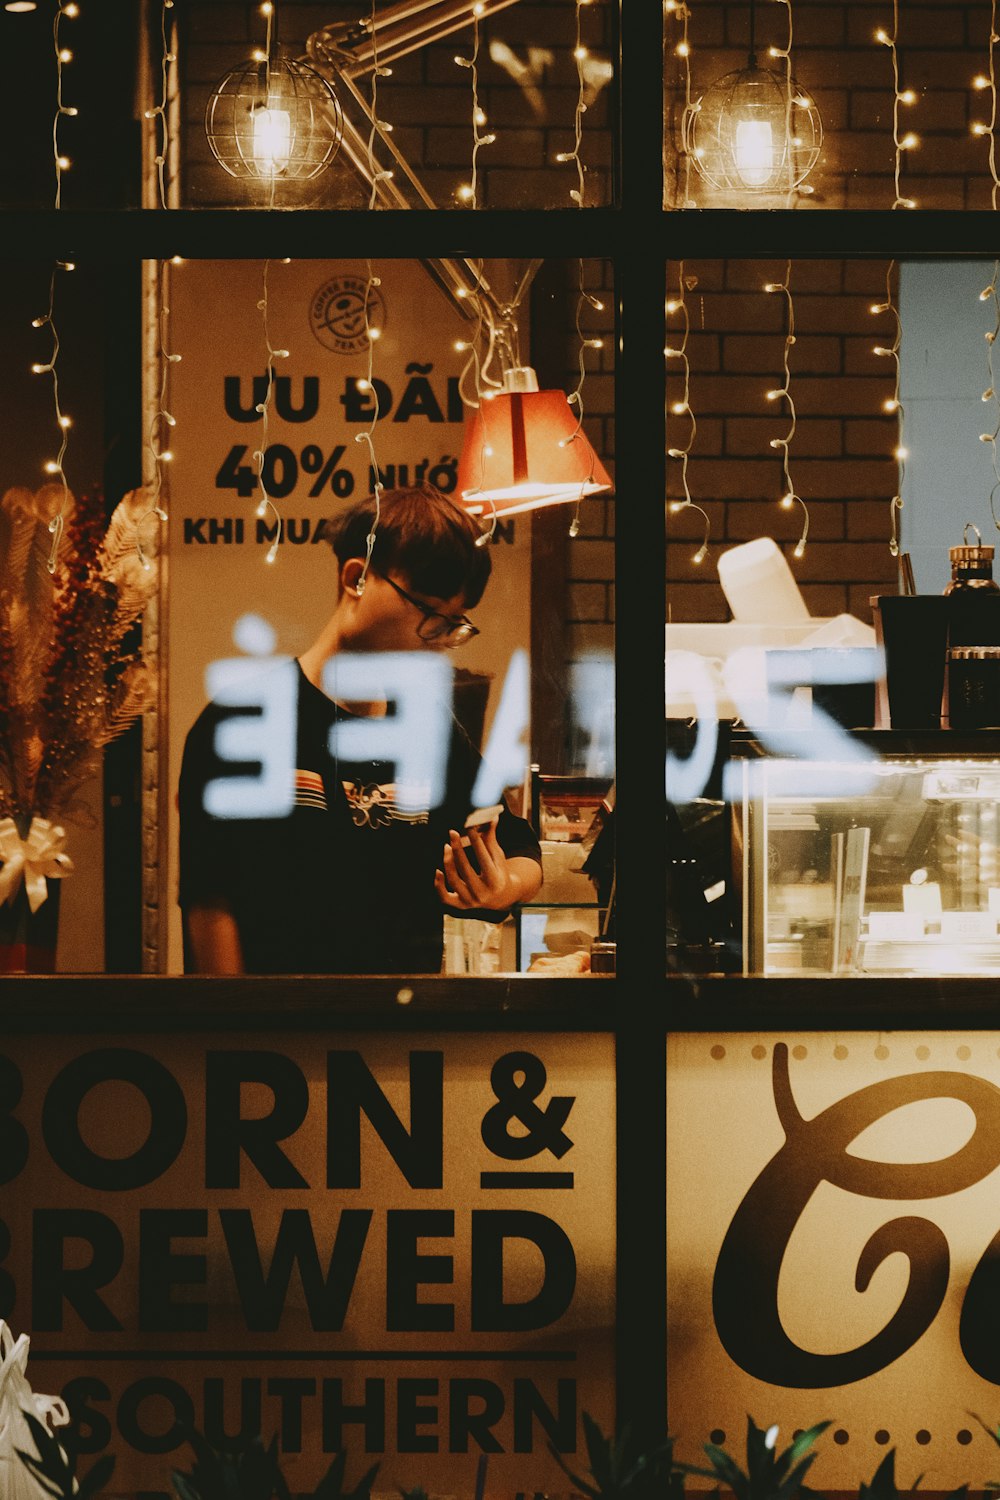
{"x": 344, "y": 884}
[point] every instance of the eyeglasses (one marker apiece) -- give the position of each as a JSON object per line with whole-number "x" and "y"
{"x": 451, "y": 629}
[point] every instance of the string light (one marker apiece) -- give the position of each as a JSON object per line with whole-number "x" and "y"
{"x": 784, "y": 393}
{"x": 55, "y": 465}
{"x": 266, "y": 503}
{"x": 988, "y": 83}
{"x": 989, "y": 293}
{"x": 159, "y": 112}
{"x": 467, "y": 192}
{"x": 158, "y": 456}
{"x": 368, "y": 384}
{"x": 484, "y": 319}
{"x": 581, "y": 54}
{"x": 683, "y": 50}
{"x": 63, "y": 55}
{"x": 893, "y": 404}
{"x": 682, "y": 407}
{"x": 792, "y": 98}
{"x": 376, "y": 173}
{"x": 575, "y": 397}
{"x": 578, "y": 195}
{"x": 909, "y": 140}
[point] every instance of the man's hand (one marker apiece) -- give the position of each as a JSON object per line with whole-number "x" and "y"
{"x": 494, "y": 883}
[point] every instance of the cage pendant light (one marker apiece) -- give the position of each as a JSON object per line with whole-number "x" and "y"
{"x": 273, "y": 118}
{"x": 524, "y": 449}
{"x": 754, "y": 130}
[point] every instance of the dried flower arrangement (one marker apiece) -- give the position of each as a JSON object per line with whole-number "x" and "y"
{"x": 72, "y": 674}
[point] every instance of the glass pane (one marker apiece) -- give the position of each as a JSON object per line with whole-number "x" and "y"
{"x": 271, "y": 410}
{"x": 833, "y": 633}
{"x": 828, "y": 106}
{"x": 452, "y": 104}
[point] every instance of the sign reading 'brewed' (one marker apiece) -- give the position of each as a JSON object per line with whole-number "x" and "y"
{"x": 368, "y": 1245}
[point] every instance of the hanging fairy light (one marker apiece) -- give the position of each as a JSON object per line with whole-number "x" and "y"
{"x": 893, "y": 403}
{"x": 682, "y": 408}
{"x": 989, "y": 294}
{"x": 468, "y": 191}
{"x": 575, "y": 397}
{"x": 159, "y": 111}
{"x": 485, "y": 328}
{"x": 755, "y": 130}
{"x": 580, "y": 55}
{"x": 63, "y": 56}
{"x": 273, "y": 118}
{"x": 987, "y": 83}
{"x": 682, "y": 50}
{"x": 906, "y": 140}
{"x": 584, "y": 297}
{"x": 54, "y": 466}
{"x": 368, "y": 385}
{"x": 161, "y": 418}
{"x": 783, "y": 393}
{"x": 376, "y": 173}
{"x": 266, "y": 503}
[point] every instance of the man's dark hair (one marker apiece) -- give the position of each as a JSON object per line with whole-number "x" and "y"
{"x": 421, "y": 534}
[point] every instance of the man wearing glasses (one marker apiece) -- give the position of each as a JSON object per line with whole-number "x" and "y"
{"x": 353, "y": 878}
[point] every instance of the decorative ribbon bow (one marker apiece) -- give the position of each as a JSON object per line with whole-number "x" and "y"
{"x": 34, "y": 859}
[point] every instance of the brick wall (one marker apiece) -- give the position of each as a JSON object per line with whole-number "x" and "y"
{"x": 428, "y": 101}
{"x": 841, "y": 458}
{"x": 941, "y": 46}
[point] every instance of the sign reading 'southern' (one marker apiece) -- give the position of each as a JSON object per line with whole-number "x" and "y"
{"x": 380, "y": 1245}
{"x": 834, "y": 1245}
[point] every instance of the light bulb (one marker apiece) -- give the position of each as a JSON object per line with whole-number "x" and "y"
{"x": 272, "y": 139}
{"x": 754, "y": 152}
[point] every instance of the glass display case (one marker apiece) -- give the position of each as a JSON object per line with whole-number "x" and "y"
{"x": 885, "y": 863}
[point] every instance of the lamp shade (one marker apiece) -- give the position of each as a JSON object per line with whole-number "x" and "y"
{"x": 522, "y": 450}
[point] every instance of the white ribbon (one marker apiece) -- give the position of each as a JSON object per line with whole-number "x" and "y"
{"x": 34, "y": 860}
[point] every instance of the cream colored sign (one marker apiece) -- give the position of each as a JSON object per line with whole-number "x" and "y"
{"x": 833, "y": 1248}
{"x": 314, "y": 464}
{"x": 400, "y": 1247}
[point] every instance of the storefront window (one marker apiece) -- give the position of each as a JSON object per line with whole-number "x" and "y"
{"x": 278, "y": 396}
{"x": 828, "y": 107}
{"x": 497, "y": 105}
{"x": 832, "y": 626}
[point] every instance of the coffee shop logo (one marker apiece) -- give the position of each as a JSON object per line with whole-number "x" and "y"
{"x": 745, "y": 1289}
{"x": 337, "y": 313}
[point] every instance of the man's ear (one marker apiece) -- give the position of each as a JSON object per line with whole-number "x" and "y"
{"x": 351, "y": 573}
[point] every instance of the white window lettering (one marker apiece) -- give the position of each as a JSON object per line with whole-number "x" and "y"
{"x": 687, "y": 776}
{"x": 415, "y": 736}
{"x": 505, "y": 758}
{"x": 267, "y": 736}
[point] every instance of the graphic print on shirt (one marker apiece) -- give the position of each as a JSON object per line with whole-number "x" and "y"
{"x": 309, "y": 791}
{"x": 373, "y": 804}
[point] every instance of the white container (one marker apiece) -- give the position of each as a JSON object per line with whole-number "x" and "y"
{"x": 759, "y": 585}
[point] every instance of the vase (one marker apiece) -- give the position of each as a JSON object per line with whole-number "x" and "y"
{"x": 28, "y": 938}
